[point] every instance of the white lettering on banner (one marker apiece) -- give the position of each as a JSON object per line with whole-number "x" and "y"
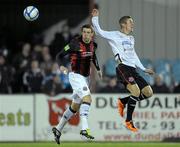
{"x": 144, "y": 115}
{"x": 57, "y": 108}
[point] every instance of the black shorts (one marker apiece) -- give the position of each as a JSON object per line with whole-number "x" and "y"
{"x": 127, "y": 74}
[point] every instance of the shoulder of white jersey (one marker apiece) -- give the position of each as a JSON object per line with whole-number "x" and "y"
{"x": 122, "y": 35}
{"x": 114, "y": 33}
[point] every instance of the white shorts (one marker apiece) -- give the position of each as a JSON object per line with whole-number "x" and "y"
{"x": 80, "y": 86}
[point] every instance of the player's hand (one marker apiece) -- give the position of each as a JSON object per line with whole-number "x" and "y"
{"x": 95, "y": 12}
{"x": 64, "y": 70}
{"x": 99, "y": 72}
{"x": 149, "y": 71}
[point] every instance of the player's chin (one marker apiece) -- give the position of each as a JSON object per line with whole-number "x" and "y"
{"x": 87, "y": 40}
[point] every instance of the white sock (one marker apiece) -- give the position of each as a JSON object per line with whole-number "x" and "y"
{"x": 84, "y": 112}
{"x": 64, "y": 119}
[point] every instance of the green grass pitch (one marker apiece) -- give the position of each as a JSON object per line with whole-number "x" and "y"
{"x": 90, "y": 144}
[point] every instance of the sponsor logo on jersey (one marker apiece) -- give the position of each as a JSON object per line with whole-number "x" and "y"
{"x": 128, "y": 49}
{"x": 126, "y": 43}
{"x": 86, "y": 54}
{"x": 131, "y": 79}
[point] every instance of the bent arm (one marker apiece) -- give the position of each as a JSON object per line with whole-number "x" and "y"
{"x": 61, "y": 54}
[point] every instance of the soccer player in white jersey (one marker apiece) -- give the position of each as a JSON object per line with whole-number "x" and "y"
{"x": 122, "y": 44}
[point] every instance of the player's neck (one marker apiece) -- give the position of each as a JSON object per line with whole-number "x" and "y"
{"x": 124, "y": 31}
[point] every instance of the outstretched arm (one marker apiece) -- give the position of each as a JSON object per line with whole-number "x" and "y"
{"x": 97, "y": 28}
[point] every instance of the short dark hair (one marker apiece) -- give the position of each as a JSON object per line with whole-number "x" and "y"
{"x": 123, "y": 20}
{"x": 86, "y": 26}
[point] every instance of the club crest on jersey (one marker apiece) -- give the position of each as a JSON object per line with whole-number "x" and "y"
{"x": 131, "y": 79}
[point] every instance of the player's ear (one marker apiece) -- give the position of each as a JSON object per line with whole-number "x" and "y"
{"x": 92, "y": 32}
{"x": 123, "y": 25}
{"x": 92, "y": 35}
{"x": 80, "y": 32}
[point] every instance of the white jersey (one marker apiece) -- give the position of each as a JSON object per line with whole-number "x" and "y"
{"x": 122, "y": 45}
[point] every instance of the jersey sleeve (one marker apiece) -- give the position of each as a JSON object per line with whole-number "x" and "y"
{"x": 95, "y": 46}
{"x": 95, "y": 62}
{"x": 99, "y": 31}
{"x": 65, "y": 51}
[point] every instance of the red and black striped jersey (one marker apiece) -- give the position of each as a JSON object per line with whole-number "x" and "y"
{"x": 81, "y": 54}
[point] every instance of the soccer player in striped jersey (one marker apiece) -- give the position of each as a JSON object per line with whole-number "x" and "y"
{"x": 122, "y": 44}
{"x": 81, "y": 51}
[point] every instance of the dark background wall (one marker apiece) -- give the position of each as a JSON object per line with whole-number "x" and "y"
{"x": 14, "y": 27}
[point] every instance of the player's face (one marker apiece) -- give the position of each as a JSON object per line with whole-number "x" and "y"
{"x": 129, "y": 25}
{"x": 87, "y": 35}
